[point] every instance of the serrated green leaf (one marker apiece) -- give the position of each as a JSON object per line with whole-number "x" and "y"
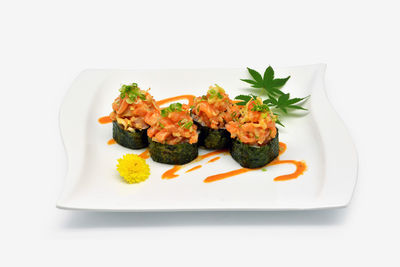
{"x": 257, "y": 76}
{"x": 279, "y": 122}
{"x": 242, "y": 103}
{"x": 279, "y": 83}
{"x": 283, "y": 98}
{"x": 295, "y": 100}
{"x": 248, "y": 81}
{"x": 267, "y": 101}
{"x": 257, "y": 85}
{"x": 276, "y": 91}
{"x": 273, "y": 100}
{"x": 296, "y": 107}
{"x": 243, "y": 97}
{"x": 269, "y": 74}
{"x": 253, "y": 96}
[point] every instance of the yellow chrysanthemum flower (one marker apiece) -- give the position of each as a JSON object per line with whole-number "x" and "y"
{"x": 133, "y": 168}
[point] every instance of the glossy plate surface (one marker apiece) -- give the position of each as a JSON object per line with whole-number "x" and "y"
{"x": 319, "y": 138}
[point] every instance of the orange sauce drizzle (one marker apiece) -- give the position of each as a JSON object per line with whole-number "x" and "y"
{"x": 194, "y": 168}
{"x": 300, "y": 168}
{"x": 171, "y": 172}
{"x": 189, "y": 98}
{"x": 105, "y": 119}
{"x": 224, "y": 175}
{"x": 145, "y": 154}
{"x": 111, "y": 142}
{"x": 213, "y": 159}
{"x": 210, "y": 154}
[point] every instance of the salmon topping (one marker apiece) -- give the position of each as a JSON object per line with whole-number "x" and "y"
{"x": 174, "y": 126}
{"x": 214, "y": 109}
{"x": 134, "y": 108}
{"x": 255, "y": 125}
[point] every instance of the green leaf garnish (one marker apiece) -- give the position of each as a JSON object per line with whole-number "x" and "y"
{"x": 284, "y": 103}
{"x": 277, "y": 101}
{"x": 257, "y": 76}
{"x": 267, "y": 82}
{"x": 245, "y": 99}
{"x": 279, "y": 122}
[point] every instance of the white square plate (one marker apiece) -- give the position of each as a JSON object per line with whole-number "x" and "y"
{"x": 319, "y": 138}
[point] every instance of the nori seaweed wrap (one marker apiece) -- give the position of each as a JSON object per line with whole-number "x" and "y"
{"x": 253, "y": 156}
{"x": 135, "y": 140}
{"x": 213, "y": 138}
{"x": 173, "y": 154}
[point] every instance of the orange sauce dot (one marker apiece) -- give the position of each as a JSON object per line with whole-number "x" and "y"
{"x": 111, "y": 142}
{"x": 104, "y": 120}
{"x": 145, "y": 154}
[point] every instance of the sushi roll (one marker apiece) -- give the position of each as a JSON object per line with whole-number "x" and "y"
{"x": 255, "y": 141}
{"x": 211, "y": 112}
{"x": 134, "y": 110}
{"x": 173, "y": 138}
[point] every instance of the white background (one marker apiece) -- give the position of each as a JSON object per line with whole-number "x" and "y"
{"x": 45, "y": 44}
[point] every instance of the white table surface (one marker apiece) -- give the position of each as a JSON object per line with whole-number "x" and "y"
{"x": 45, "y": 44}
